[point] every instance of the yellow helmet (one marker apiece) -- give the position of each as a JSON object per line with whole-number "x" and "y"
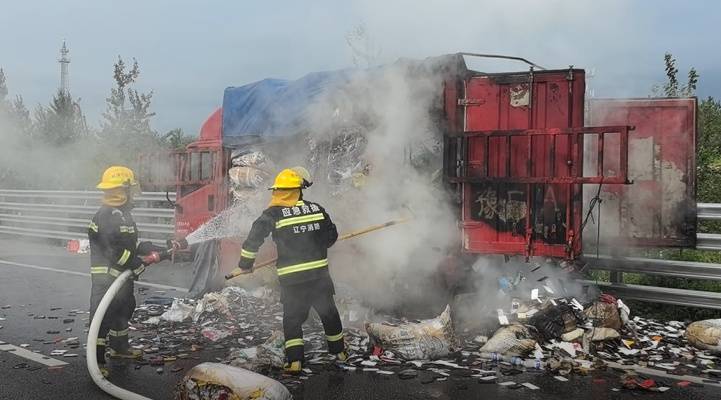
{"x": 305, "y": 175}
{"x": 118, "y": 176}
{"x": 287, "y": 179}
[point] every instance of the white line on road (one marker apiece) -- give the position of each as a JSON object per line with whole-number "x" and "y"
{"x": 64, "y": 271}
{"x": 27, "y": 354}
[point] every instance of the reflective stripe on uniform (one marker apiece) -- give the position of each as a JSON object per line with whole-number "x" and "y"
{"x": 335, "y": 338}
{"x": 100, "y": 342}
{"x": 293, "y": 343}
{"x": 289, "y": 269}
{"x": 299, "y": 203}
{"x": 247, "y": 254}
{"x": 105, "y": 270}
{"x": 99, "y": 270}
{"x": 124, "y": 257}
{"x": 299, "y": 220}
{"x": 93, "y": 227}
{"x": 139, "y": 270}
{"x": 124, "y": 332}
{"x": 127, "y": 229}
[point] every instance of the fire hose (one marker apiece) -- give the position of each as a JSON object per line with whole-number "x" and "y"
{"x": 91, "y": 355}
{"x": 237, "y": 272}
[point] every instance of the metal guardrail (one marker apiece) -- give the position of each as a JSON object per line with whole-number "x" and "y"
{"x": 708, "y": 210}
{"x": 682, "y": 297}
{"x": 679, "y": 269}
{"x": 65, "y": 214}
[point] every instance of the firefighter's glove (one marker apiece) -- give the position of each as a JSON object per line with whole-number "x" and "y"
{"x": 244, "y": 266}
{"x": 151, "y": 258}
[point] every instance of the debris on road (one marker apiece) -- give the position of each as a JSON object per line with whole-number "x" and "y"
{"x": 556, "y": 335}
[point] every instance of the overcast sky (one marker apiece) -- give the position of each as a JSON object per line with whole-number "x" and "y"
{"x": 189, "y": 51}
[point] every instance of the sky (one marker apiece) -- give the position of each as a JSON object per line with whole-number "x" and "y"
{"x": 189, "y": 51}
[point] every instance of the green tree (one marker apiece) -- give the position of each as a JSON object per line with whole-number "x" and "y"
{"x": 671, "y": 88}
{"x": 708, "y": 153}
{"x": 21, "y": 116}
{"x": 3, "y": 88}
{"x": 176, "y": 139}
{"x": 126, "y": 130}
{"x": 127, "y": 111}
{"x": 62, "y": 122}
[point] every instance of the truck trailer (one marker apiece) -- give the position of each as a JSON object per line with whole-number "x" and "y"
{"x": 528, "y": 162}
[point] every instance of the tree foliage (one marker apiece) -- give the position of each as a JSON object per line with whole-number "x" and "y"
{"x": 177, "y": 139}
{"x": 62, "y": 122}
{"x": 126, "y": 128}
{"x": 671, "y": 87}
{"x": 53, "y": 147}
{"x": 127, "y": 110}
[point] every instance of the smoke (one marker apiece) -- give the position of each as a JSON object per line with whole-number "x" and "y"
{"x": 28, "y": 162}
{"x": 382, "y": 122}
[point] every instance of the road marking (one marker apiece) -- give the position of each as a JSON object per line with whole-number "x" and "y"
{"x": 64, "y": 271}
{"x": 32, "y": 356}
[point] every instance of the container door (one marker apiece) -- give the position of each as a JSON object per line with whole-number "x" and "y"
{"x": 659, "y": 208}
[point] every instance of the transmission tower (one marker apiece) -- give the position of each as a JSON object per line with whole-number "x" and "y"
{"x": 64, "y": 61}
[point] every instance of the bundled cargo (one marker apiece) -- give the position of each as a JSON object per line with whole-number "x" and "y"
{"x": 426, "y": 340}
{"x": 212, "y": 381}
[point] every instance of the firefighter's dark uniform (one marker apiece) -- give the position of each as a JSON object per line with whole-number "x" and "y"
{"x": 113, "y": 249}
{"x": 302, "y": 233}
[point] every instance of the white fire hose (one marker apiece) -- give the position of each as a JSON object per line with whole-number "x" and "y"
{"x": 91, "y": 354}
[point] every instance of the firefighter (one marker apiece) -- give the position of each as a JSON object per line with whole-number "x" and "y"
{"x": 113, "y": 249}
{"x": 302, "y": 232}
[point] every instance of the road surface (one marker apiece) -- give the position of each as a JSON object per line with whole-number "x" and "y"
{"x": 39, "y": 280}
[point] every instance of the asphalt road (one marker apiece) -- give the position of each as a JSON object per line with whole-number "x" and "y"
{"x": 40, "y": 280}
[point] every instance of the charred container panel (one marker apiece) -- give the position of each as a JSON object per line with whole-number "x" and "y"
{"x": 507, "y": 206}
{"x": 659, "y": 208}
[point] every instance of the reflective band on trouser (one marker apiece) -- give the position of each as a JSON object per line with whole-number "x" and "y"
{"x": 93, "y": 227}
{"x": 299, "y": 220}
{"x": 124, "y": 257}
{"x": 289, "y": 269}
{"x": 100, "y": 342}
{"x": 124, "y": 332}
{"x": 293, "y": 343}
{"x": 99, "y": 270}
{"x": 247, "y": 254}
{"x": 335, "y": 338}
{"x": 139, "y": 270}
{"x": 127, "y": 229}
{"x": 115, "y": 272}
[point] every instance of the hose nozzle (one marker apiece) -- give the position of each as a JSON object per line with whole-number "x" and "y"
{"x": 177, "y": 244}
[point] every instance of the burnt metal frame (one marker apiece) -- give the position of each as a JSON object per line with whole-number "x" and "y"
{"x": 456, "y": 164}
{"x": 574, "y": 134}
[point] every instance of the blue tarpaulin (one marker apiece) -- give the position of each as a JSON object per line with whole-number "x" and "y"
{"x": 273, "y": 108}
{"x": 276, "y": 108}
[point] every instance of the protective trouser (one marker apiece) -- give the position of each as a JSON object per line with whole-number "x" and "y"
{"x": 114, "y": 327}
{"x": 297, "y": 301}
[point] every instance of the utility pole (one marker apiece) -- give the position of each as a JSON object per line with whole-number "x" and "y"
{"x": 64, "y": 61}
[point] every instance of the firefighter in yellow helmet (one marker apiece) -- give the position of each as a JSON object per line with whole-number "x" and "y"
{"x": 114, "y": 248}
{"x": 302, "y": 232}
